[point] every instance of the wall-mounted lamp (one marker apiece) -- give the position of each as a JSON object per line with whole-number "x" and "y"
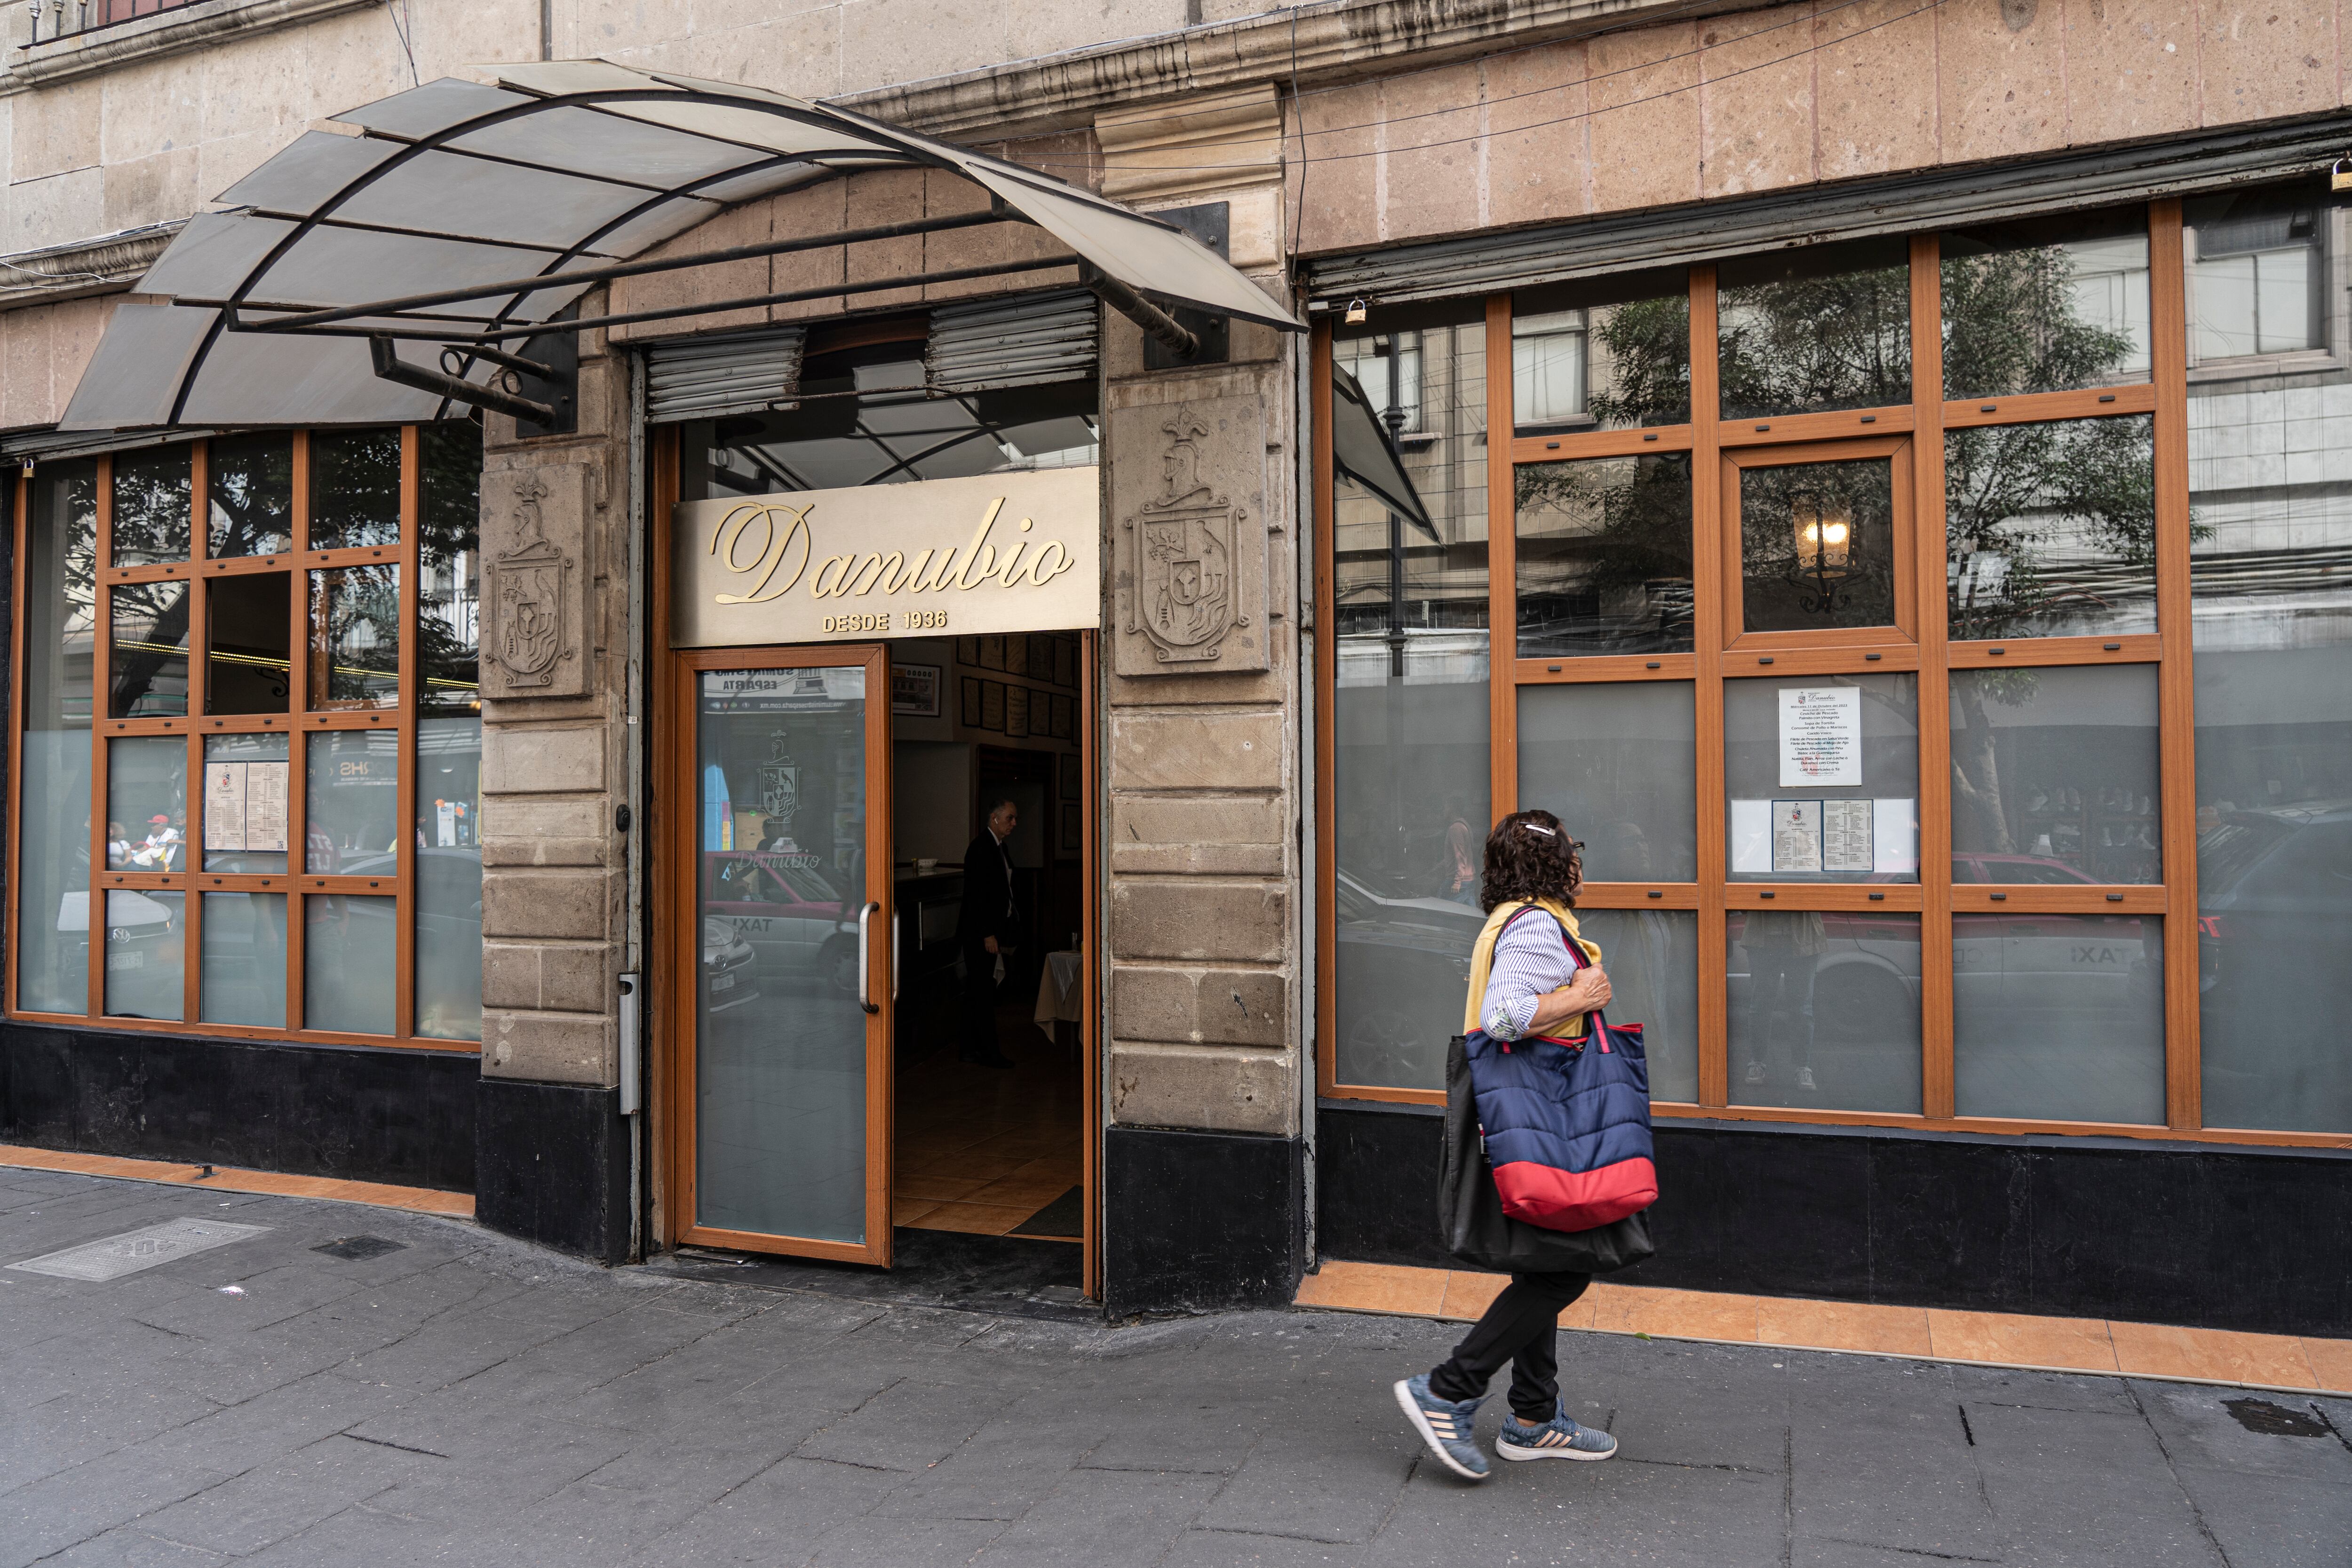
{"x": 1354, "y": 317}
{"x": 1823, "y": 536}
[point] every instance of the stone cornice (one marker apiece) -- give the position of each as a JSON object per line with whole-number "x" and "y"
{"x": 107, "y": 264}
{"x": 54, "y": 60}
{"x": 1315, "y": 44}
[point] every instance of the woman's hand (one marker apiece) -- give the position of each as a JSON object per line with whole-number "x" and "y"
{"x": 1589, "y": 991}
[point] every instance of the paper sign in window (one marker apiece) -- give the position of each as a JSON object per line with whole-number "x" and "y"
{"x": 1821, "y": 736}
{"x": 244, "y": 807}
{"x": 1846, "y": 841}
{"x": 1797, "y": 835}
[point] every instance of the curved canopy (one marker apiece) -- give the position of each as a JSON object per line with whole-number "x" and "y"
{"x": 466, "y": 215}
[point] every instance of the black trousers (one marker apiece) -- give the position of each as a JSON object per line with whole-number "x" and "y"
{"x": 979, "y": 1003}
{"x": 1520, "y": 1328}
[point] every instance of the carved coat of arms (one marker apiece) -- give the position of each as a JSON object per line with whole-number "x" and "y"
{"x": 529, "y": 596}
{"x": 1183, "y": 598}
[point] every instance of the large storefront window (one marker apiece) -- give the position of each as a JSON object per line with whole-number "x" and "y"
{"x": 1870, "y": 690}
{"x": 284, "y": 670}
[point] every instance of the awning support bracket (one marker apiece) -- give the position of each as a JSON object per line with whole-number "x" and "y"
{"x": 390, "y": 366}
{"x": 1173, "y": 335}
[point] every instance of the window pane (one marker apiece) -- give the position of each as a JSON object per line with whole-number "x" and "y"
{"x": 352, "y": 801}
{"x": 251, "y": 481}
{"x": 152, "y": 506}
{"x": 148, "y": 669}
{"x": 249, "y": 622}
{"x": 2049, "y": 528}
{"x": 354, "y": 488}
{"x": 2059, "y": 1016}
{"x": 146, "y": 954}
{"x": 1817, "y": 545}
{"x": 2055, "y": 774}
{"x": 1804, "y": 331}
{"x": 449, "y": 879}
{"x": 1604, "y": 558}
{"x": 58, "y": 602}
{"x": 2256, "y": 270}
{"x": 244, "y": 974}
{"x": 2269, "y": 476}
{"x": 245, "y": 804}
{"x": 348, "y": 959}
{"x": 1617, "y": 764}
{"x": 2046, "y": 304}
{"x": 448, "y": 628}
{"x": 355, "y": 638}
{"x": 147, "y": 803}
{"x": 1611, "y": 354}
{"x": 1410, "y": 705}
{"x": 1822, "y": 778}
{"x": 1824, "y": 1009}
{"x": 1651, "y": 958}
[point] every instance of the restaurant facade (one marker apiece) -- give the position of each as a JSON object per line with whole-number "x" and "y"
{"x": 525, "y": 737}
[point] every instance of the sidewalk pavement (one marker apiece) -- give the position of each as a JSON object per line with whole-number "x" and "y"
{"x": 463, "y": 1399}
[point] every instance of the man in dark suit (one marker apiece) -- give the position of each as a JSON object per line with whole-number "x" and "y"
{"x": 987, "y": 928}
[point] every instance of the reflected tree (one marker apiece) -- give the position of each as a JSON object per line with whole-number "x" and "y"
{"x": 1798, "y": 344}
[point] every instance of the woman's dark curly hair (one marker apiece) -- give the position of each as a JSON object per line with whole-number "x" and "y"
{"x": 1530, "y": 856}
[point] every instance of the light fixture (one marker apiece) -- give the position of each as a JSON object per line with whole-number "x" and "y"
{"x": 1355, "y": 313}
{"x": 1824, "y": 540}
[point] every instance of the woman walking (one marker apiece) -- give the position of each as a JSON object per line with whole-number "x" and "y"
{"x": 1526, "y": 984}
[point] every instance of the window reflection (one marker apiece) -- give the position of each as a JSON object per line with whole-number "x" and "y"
{"x": 1822, "y": 778}
{"x": 1617, "y": 762}
{"x": 1652, "y": 957}
{"x": 449, "y": 879}
{"x": 248, "y": 648}
{"x": 1801, "y": 331}
{"x": 1817, "y": 545}
{"x": 347, "y": 948}
{"x": 2058, "y": 1016}
{"x": 1824, "y": 1009}
{"x": 2049, "y": 528}
{"x": 244, "y": 978}
{"x": 354, "y": 488}
{"x": 148, "y": 657}
{"x": 151, "y": 506}
{"x": 2055, "y": 774}
{"x": 147, "y": 803}
{"x": 146, "y": 956}
{"x": 1612, "y": 355}
{"x": 354, "y": 655}
{"x": 2045, "y": 305}
{"x": 449, "y": 618}
{"x": 251, "y": 482}
{"x": 2257, "y": 273}
{"x": 1604, "y": 555}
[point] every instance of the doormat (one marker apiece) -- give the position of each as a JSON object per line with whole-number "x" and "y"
{"x": 100, "y": 1261}
{"x": 1065, "y": 1217}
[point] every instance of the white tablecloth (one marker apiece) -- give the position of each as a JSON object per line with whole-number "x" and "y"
{"x": 1057, "y": 991}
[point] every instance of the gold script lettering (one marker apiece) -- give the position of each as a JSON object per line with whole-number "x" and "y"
{"x": 964, "y": 579}
{"x": 772, "y": 549}
{"x": 836, "y": 569}
{"x": 1052, "y": 550}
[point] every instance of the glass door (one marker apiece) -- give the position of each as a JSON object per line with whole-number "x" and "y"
{"x": 781, "y": 950}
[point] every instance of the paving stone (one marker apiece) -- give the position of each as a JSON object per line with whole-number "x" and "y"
{"x": 2083, "y": 1487}
{"x": 1103, "y": 1519}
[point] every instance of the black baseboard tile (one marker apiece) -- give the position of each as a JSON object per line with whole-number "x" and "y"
{"x": 1200, "y": 1221}
{"x": 552, "y": 1166}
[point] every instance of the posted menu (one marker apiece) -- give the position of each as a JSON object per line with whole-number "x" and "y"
{"x": 244, "y": 807}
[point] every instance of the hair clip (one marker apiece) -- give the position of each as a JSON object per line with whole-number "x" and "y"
{"x": 1535, "y": 828}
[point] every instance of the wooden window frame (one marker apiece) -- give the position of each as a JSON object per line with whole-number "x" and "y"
{"x": 296, "y": 884}
{"x": 1919, "y": 644}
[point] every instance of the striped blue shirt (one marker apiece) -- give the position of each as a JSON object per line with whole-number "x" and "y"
{"x": 1530, "y": 961}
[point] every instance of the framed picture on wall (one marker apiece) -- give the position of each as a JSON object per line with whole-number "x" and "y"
{"x": 1041, "y": 655}
{"x": 915, "y": 691}
{"x": 1065, "y": 710}
{"x": 968, "y": 651}
{"x": 1066, "y": 781}
{"x": 1016, "y": 654}
{"x": 1073, "y": 828}
{"x": 972, "y": 685}
{"x": 1016, "y": 711}
{"x": 1066, "y": 661}
{"x": 992, "y": 705}
{"x": 992, "y": 651}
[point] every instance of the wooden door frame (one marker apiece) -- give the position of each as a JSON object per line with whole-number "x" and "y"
{"x": 679, "y": 885}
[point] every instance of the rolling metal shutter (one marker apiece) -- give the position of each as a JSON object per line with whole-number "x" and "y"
{"x": 1027, "y": 342}
{"x": 728, "y": 372}
{"x": 1681, "y": 236}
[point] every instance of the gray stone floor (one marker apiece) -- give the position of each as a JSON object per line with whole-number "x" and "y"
{"x": 463, "y": 1399}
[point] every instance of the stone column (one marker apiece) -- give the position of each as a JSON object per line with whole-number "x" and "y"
{"x": 552, "y": 1151}
{"x": 1203, "y": 1177}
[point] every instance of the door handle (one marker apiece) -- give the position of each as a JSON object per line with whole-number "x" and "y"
{"x": 894, "y": 954}
{"x": 865, "y": 959}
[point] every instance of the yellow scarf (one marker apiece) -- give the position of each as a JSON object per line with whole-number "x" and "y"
{"x": 1482, "y": 959}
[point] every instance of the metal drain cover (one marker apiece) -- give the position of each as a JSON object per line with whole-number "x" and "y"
{"x": 98, "y": 1261}
{"x": 357, "y": 1247}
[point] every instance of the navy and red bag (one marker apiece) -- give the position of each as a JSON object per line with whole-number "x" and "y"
{"x": 1566, "y": 1122}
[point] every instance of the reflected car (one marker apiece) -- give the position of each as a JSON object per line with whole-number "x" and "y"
{"x": 728, "y": 962}
{"x": 143, "y": 950}
{"x": 2275, "y": 922}
{"x": 1404, "y": 964}
{"x": 2049, "y": 963}
{"x": 786, "y": 908}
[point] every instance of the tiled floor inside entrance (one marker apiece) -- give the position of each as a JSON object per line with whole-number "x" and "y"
{"x": 983, "y": 1149}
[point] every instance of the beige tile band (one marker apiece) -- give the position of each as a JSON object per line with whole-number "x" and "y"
{"x": 230, "y": 1179}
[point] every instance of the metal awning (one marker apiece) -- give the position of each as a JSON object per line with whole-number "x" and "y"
{"x": 464, "y": 218}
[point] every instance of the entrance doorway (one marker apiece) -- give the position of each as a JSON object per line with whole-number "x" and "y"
{"x": 851, "y": 1078}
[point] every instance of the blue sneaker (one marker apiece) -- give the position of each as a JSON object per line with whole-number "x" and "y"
{"x": 1444, "y": 1426}
{"x": 1558, "y": 1438}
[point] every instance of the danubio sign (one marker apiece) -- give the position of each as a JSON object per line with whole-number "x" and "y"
{"x": 1002, "y": 552}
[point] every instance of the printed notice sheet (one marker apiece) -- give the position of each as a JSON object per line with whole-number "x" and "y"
{"x": 1796, "y": 834}
{"x": 244, "y": 807}
{"x": 1847, "y": 842}
{"x": 1821, "y": 736}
